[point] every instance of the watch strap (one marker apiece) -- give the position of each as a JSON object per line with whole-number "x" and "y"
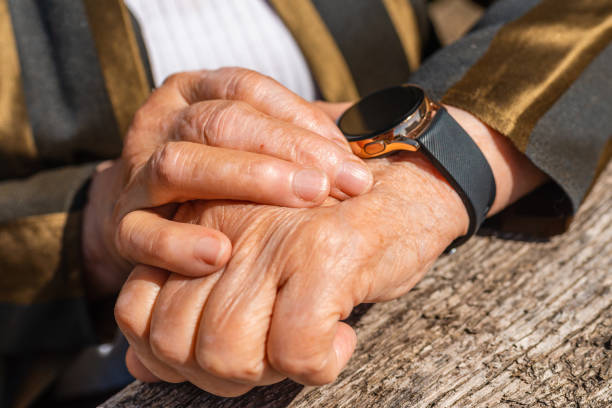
{"x": 453, "y": 152}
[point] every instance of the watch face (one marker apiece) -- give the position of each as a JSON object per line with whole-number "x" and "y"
{"x": 380, "y": 112}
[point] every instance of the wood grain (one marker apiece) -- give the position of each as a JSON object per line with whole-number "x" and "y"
{"x": 501, "y": 323}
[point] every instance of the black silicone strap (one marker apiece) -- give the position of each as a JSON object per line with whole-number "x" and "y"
{"x": 461, "y": 162}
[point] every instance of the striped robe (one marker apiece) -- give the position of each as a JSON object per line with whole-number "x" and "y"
{"x": 73, "y": 72}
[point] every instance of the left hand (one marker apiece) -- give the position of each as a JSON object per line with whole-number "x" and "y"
{"x": 275, "y": 310}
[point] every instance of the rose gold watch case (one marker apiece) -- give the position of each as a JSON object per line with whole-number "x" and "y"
{"x": 401, "y": 137}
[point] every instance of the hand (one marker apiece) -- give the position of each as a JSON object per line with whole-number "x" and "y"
{"x": 275, "y": 310}
{"x": 230, "y": 133}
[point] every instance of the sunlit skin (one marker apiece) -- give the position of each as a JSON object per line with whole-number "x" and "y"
{"x": 225, "y": 134}
{"x": 274, "y": 310}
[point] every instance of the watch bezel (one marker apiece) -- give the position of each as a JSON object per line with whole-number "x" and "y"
{"x": 402, "y": 136}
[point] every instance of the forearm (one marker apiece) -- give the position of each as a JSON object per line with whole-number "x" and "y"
{"x": 515, "y": 175}
{"x": 410, "y": 183}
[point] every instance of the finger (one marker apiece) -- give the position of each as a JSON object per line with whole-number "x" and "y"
{"x": 332, "y": 110}
{"x": 137, "y": 369}
{"x": 133, "y": 315}
{"x": 136, "y": 303}
{"x": 234, "y": 325}
{"x": 263, "y": 93}
{"x": 183, "y": 89}
{"x": 191, "y": 250}
{"x": 306, "y": 340}
{"x": 239, "y": 126}
{"x": 174, "y": 328}
{"x": 174, "y": 325}
{"x": 181, "y": 171}
{"x": 175, "y": 322}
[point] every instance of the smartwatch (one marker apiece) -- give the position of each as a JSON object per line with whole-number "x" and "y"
{"x": 403, "y": 118}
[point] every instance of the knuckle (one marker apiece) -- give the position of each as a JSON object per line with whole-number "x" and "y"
{"x": 164, "y": 164}
{"x": 262, "y": 174}
{"x": 323, "y": 126}
{"x": 244, "y": 82}
{"x": 123, "y": 238}
{"x": 303, "y": 151}
{"x": 127, "y": 317}
{"x": 192, "y": 124}
{"x": 230, "y": 110}
{"x": 317, "y": 150}
{"x": 216, "y": 121}
{"x": 173, "y": 79}
{"x": 300, "y": 367}
{"x": 186, "y": 124}
{"x": 165, "y": 349}
{"x": 162, "y": 244}
{"x": 318, "y": 118}
{"x": 244, "y": 370}
{"x": 141, "y": 119}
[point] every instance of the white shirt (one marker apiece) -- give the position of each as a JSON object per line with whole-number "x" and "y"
{"x": 183, "y": 35}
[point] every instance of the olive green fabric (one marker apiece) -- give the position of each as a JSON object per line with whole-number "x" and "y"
{"x": 67, "y": 97}
{"x": 366, "y": 37}
{"x": 18, "y": 153}
{"x": 530, "y": 64}
{"x": 67, "y": 102}
{"x": 327, "y": 64}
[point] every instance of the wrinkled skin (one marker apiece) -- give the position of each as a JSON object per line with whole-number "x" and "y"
{"x": 225, "y": 134}
{"x": 274, "y": 310}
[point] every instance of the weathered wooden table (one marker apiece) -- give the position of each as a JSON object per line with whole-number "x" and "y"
{"x": 503, "y": 322}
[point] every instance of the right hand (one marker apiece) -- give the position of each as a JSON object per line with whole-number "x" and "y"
{"x": 226, "y": 134}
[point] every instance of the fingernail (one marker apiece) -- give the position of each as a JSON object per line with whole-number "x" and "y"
{"x": 209, "y": 249}
{"x": 353, "y": 178}
{"x": 308, "y": 184}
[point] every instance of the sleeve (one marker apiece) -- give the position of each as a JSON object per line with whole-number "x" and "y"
{"x": 537, "y": 71}
{"x": 42, "y": 300}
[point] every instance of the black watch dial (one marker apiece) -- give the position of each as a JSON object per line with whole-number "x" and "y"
{"x": 380, "y": 112}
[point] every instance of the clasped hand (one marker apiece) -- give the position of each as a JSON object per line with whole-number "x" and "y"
{"x": 225, "y": 134}
{"x": 302, "y": 255}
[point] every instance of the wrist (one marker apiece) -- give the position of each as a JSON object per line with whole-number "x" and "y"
{"x": 413, "y": 184}
{"x": 515, "y": 175}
